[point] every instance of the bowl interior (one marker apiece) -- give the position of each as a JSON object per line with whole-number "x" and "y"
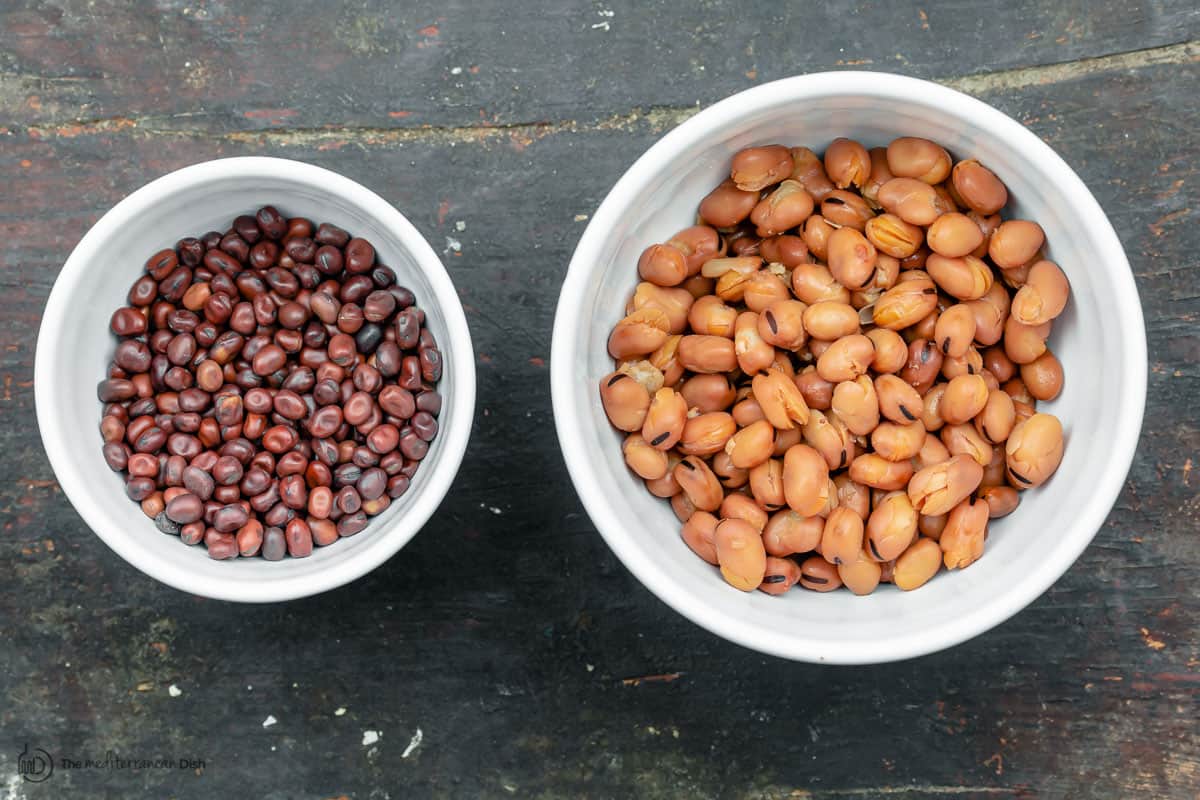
{"x": 1096, "y": 340}
{"x": 75, "y": 347}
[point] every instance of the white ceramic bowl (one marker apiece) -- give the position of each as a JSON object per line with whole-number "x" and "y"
{"x": 75, "y": 346}
{"x": 1100, "y": 340}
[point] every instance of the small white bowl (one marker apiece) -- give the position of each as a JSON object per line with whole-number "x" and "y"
{"x": 1100, "y": 340}
{"x": 75, "y": 347}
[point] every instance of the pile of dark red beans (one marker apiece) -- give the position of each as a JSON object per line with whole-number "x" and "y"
{"x": 273, "y": 387}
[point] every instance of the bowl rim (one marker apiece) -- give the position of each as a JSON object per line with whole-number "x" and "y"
{"x": 566, "y": 384}
{"x": 453, "y": 438}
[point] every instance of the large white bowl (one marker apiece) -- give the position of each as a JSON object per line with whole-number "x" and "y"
{"x": 1100, "y": 340}
{"x": 75, "y": 346}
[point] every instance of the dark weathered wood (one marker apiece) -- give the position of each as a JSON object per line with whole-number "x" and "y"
{"x": 532, "y": 662}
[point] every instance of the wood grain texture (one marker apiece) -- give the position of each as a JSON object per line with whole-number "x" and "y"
{"x": 532, "y": 662}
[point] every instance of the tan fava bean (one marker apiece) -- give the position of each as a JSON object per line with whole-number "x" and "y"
{"x": 1034, "y": 450}
{"x": 852, "y": 495}
{"x": 747, "y": 411}
{"x": 740, "y": 506}
{"x": 829, "y": 320}
{"x": 708, "y": 393}
{"x": 1001, "y": 500}
{"x": 805, "y": 480}
{"x": 857, "y": 404}
{"x": 809, "y": 170}
{"x": 665, "y": 419}
{"x": 781, "y": 575}
{"x": 727, "y": 205}
{"x": 781, "y": 401}
{"x": 1015, "y": 243}
{"x": 955, "y": 330}
{"x": 816, "y": 233}
{"x": 709, "y": 316}
{"x": 817, "y": 392}
{"x": 1044, "y": 295}
{"x": 698, "y": 533}
{"x": 932, "y": 526}
{"x": 887, "y": 270}
{"x": 647, "y": 462}
{"x": 842, "y": 537}
{"x": 814, "y": 283}
{"x": 730, "y": 476}
{"x": 699, "y": 483}
{"x": 851, "y": 258}
{"x": 926, "y": 327}
{"x": 991, "y": 312}
{"x": 753, "y": 354}
{"x": 872, "y": 469}
{"x": 683, "y": 506}
{"x": 924, "y": 363}
{"x": 913, "y": 157}
{"x": 707, "y": 354}
{"x": 787, "y": 533}
{"x": 781, "y": 324}
{"x": 891, "y": 527}
{"x": 1023, "y": 410}
{"x": 785, "y": 208}
{"x": 819, "y": 575}
{"x": 954, "y": 235}
{"x": 998, "y": 417}
{"x": 784, "y": 440}
{"x": 666, "y": 362}
{"x": 1043, "y": 376}
{"x": 752, "y": 445}
{"x": 931, "y": 409}
{"x": 847, "y": 163}
{"x": 758, "y": 167}
{"x": 625, "y": 401}
{"x": 675, "y": 303}
{"x": 1016, "y": 389}
{"x": 964, "y": 440}
{"x": 891, "y": 352}
{"x": 638, "y": 334}
{"x": 970, "y": 363}
{"x": 846, "y": 210}
{"x": 763, "y": 288}
{"x": 1024, "y": 343}
{"x": 740, "y": 554}
{"x": 962, "y": 538}
{"x": 905, "y": 304}
{"x": 879, "y": 175}
{"x": 911, "y": 200}
{"x": 932, "y": 452}
{"x": 846, "y": 359}
{"x": 979, "y": 187}
{"x": 894, "y": 236}
{"x": 996, "y": 472}
{"x": 698, "y": 244}
{"x": 787, "y": 249}
{"x": 698, "y": 286}
{"x": 966, "y": 396}
{"x": 988, "y": 377}
{"x": 766, "y": 484}
{"x": 898, "y": 442}
{"x": 898, "y": 400}
{"x": 666, "y": 486}
{"x": 966, "y": 278}
{"x": 705, "y": 434}
{"x": 987, "y": 226}
{"x": 861, "y": 575}
{"x": 940, "y": 487}
{"x": 917, "y": 565}
{"x": 662, "y": 265}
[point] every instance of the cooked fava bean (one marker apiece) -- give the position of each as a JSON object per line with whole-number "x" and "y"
{"x": 638, "y": 334}
{"x": 955, "y": 330}
{"x": 846, "y": 210}
{"x": 707, "y": 393}
{"x": 781, "y": 575}
{"x": 880, "y": 174}
{"x": 979, "y": 187}
{"x": 852, "y": 495}
{"x": 675, "y": 303}
{"x": 740, "y": 553}
{"x": 698, "y": 244}
{"x": 829, "y": 436}
{"x": 788, "y": 250}
{"x": 1023, "y": 410}
{"x": 1024, "y": 343}
{"x": 785, "y": 440}
{"x": 805, "y": 480}
{"x": 683, "y": 506}
{"x": 861, "y": 575}
{"x": 781, "y": 324}
{"x": 817, "y": 392}
{"x": 891, "y": 353}
{"x": 931, "y": 411}
{"x": 625, "y": 401}
{"x": 1043, "y": 376}
{"x": 996, "y": 471}
{"x": 932, "y": 527}
{"x": 788, "y": 532}
{"x": 1043, "y": 296}
{"x": 763, "y": 288}
{"x": 706, "y": 434}
{"x": 753, "y": 354}
{"x": 872, "y": 469}
{"x": 699, "y": 483}
{"x": 996, "y": 420}
{"x": 758, "y": 167}
{"x": 665, "y": 362}
{"x": 666, "y": 486}
{"x": 924, "y": 363}
{"x": 911, "y": 200}
{"x": 965, "y": 440}
{"x": 954, "y": 235}
{"x": 905, "y": 304}
{"x": 966, "y": 278}
{"x": 766, "y": 484}
{"x": 1016, "y": 389}
{"x": 707, "y": 354}
{"x": 847, "y": 163}
{"x": 741, "y": 506}
{"x": 891, "y": 527}
{"x": 962, "y": 538}
{"x": 752, "y": 445}
{"x": 897, "y": 442}
{"x": 965, "y": 397}
{"x": 939, "y": 487}
{"x": 857, "y": 404}
{"x": 816, "y": 233}
{"x": 1034, "y": 450}
{"x": 1015, "y": 243}
{"x": 1001, "y": 500}
{"x": 780, "y": 400}
{"x": 809, "y": 170}
{"x": 662, "y": 265}
{"x": 846, "y": 359}
{"x": 727, "y": 205}
{"x": 970, "y": 363}
{"x": 699, "y": 532}
{"x": 842, "y": 537}
{"x": 991, "y": 312}
{"x": 644, "y": 372}
{"x": 747, "y": 412}
{"x": 851, "y": 258}
{"x": 814, "y": 283}
{"x": 912, "y": 157}
{"x": 916, "y": 565}
{"x": 893, "y": 236}
{"x": 819, "y": 575}
{"x": 932, "y": 452}
{"x": 783, "y": 209}
{"x": 648, "y": 462}
{"x": 898, "y": 400}
{"x": 665, "y": 419}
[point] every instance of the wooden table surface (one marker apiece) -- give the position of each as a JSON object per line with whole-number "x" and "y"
{"x": 506, "y": 652}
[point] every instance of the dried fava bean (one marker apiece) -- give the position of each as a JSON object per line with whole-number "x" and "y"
{"x": 961, "y": 540}
{"x": 1034, "y": 450}
{"x": 1043, "y": 296}
{"x": 740, "y": 554}
{"x": 916, "y": 565}
{"x": 781, "y": 574}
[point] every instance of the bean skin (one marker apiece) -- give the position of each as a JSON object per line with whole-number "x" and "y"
{"x": 740, "y": 554}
